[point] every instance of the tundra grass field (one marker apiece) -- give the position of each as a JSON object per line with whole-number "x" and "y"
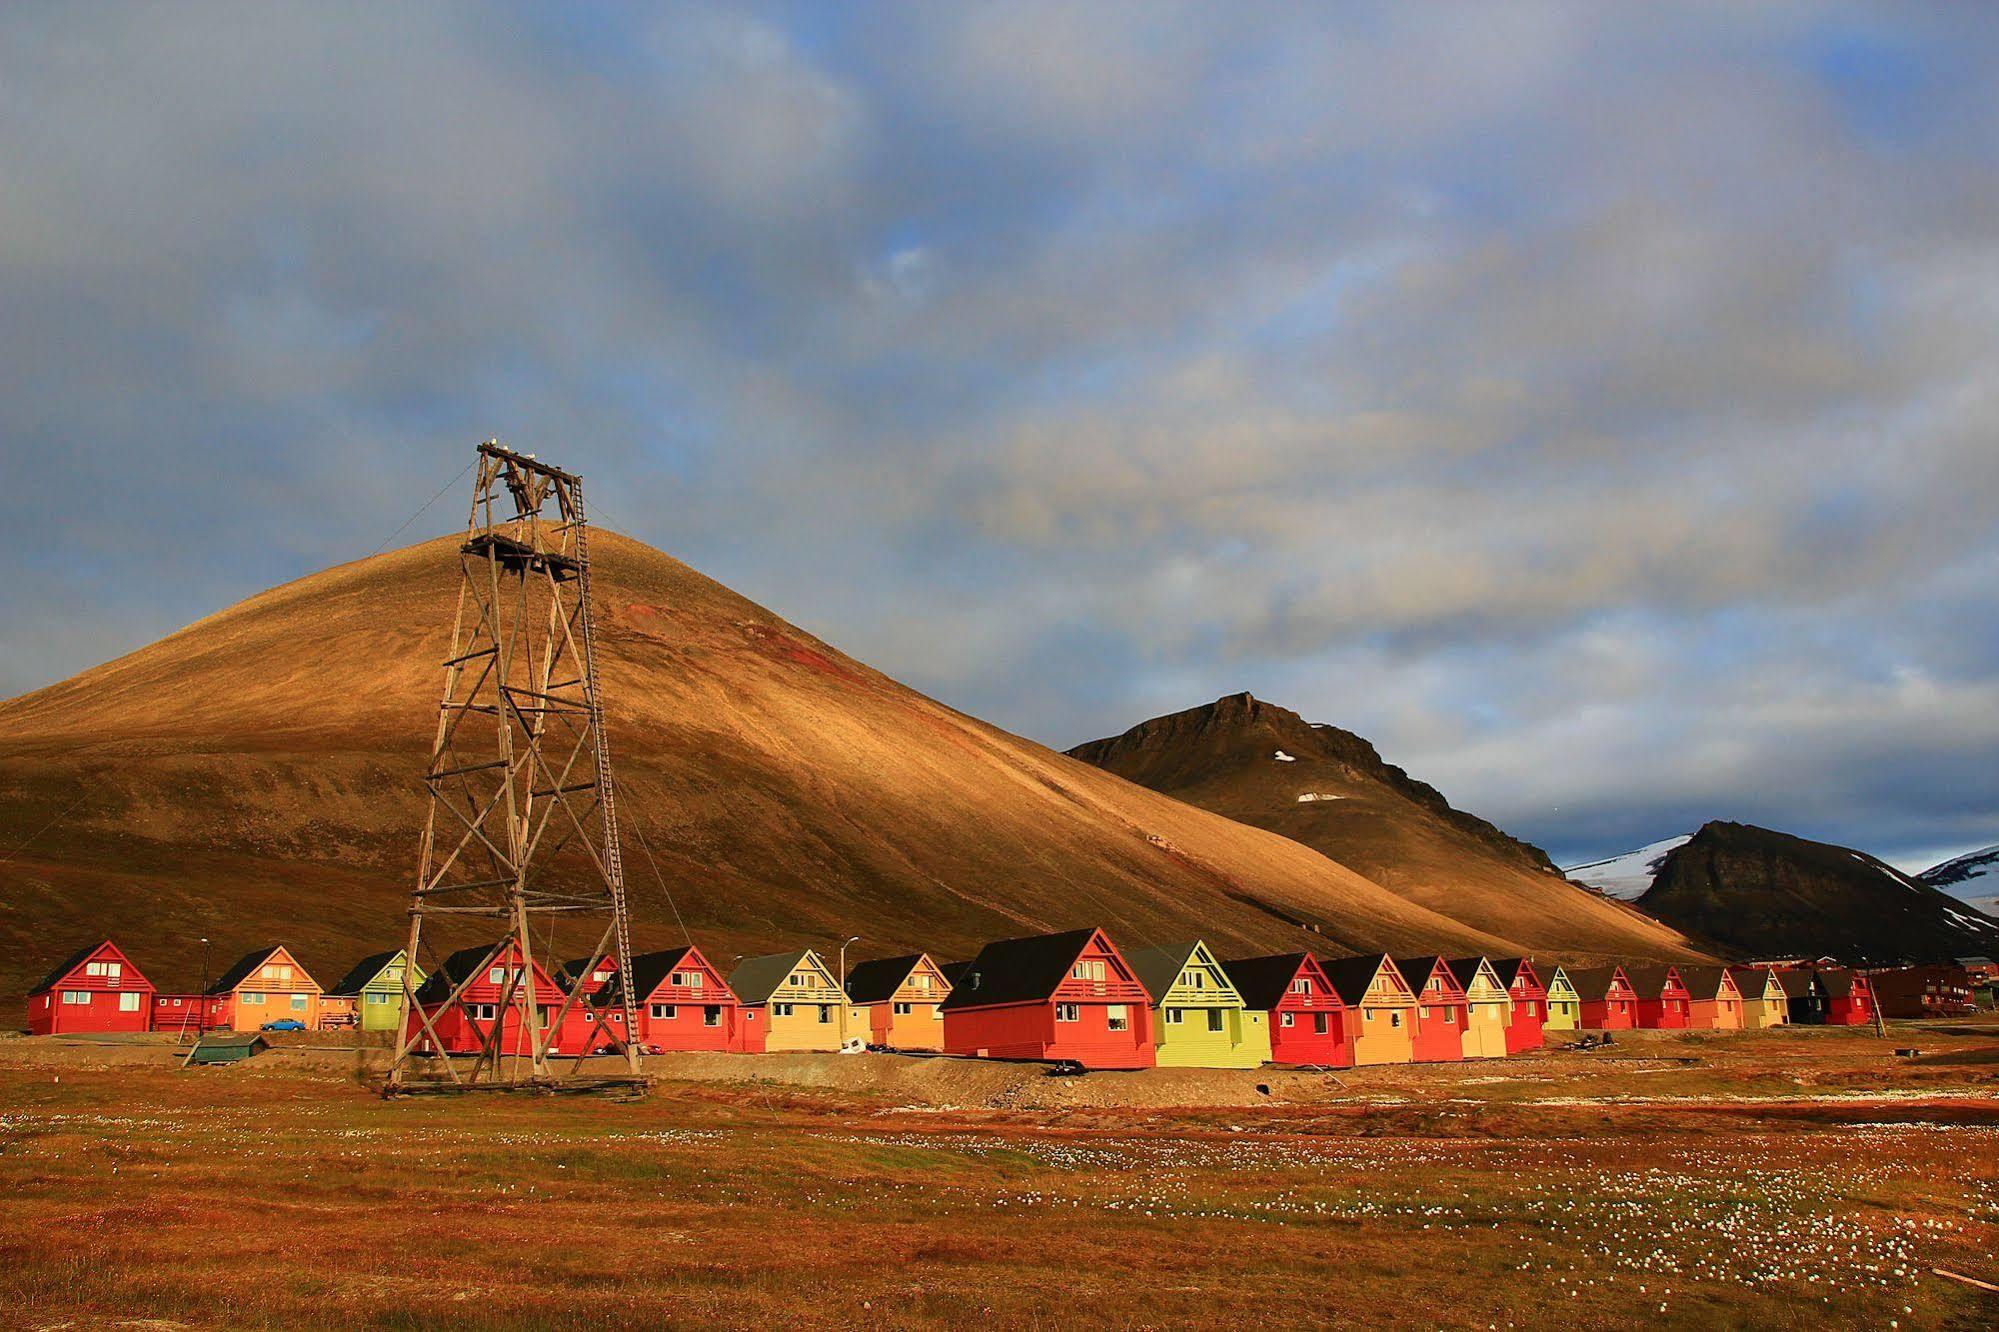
{"x": 1806, "y": 1180}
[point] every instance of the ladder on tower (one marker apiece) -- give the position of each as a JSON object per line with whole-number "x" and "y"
{"x": 607, "y": 793}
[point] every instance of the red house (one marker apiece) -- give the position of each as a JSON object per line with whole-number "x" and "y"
{"x": 1310, "y": 1025}
{"x": 181, "y": 1014}
{"x": 1608, "y": 1001}
{"x": 1067, "y": 996}
{"x": 488, "y": 982}
{"x": 682, "y": 1002}
{"x": 1530, "y": 1003}
{"x": 1441, "y": 1011}
{"x": 95, "y": 988}
{"x": 1663, "y": 1001}
{"x": 1849, "y": 997}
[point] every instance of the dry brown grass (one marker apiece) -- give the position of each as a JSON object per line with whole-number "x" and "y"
{"x": 840, "y": 1193}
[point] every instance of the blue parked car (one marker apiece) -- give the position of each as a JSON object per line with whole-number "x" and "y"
{"x": 283, "y": 1024}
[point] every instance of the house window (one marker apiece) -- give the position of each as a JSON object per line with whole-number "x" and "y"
{"x": 1434, "y": 984}
{"x": 921, "y": 981}
{"x": 799, "y": 980}
{"x": 1367, "y": 1015}
{"x": 1533, "y": 1009}
{"x": 76, "y": 996}
{"x": 664, "y": 1012}
{"x": 484, "y": 1012}
{"x": 1197, "y": 980}
{"x": 111, "y": 970}
{"x": 1214, "y": 1019}
{"x": 1284, "y": 1020}
{"x": 780, "y": 1010}
{"x": 1066, "y": 1013}
{"x": 711, "y": 1016}
{"x": 825, "y": 1012}
{"x": 298, "y": 1003}
{"x": 1303, "y": 985}
{"x": 1395, "y": 1018}
{"x": 599, "y": 976}
{"x": 1450, "y": 1015}
{"x": 496, "y": 976}
{"x": 392, "y": 973}
{"x": 1090, "y": 969}
{"x": 1424, "y": 1012}
{"x": 379, "y": 998}
{"x": 254, "y": 998}
{"x": 904, "y": 1010}
{"x": 1318, "y": 1024}
{"x": 128, "y": 1001}
{"x": 1115, "y": 1018}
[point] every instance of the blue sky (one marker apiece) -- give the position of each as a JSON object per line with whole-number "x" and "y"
{"x": 1591, "y": 404}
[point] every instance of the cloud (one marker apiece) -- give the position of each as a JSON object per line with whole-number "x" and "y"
{"x": 1591, "y": 405}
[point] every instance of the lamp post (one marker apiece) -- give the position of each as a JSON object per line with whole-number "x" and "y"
{"x": 201, "y": 1000}
{"x": 843, "y": 990}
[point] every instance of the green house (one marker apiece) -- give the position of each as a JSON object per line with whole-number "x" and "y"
{"x": 1198, "y": 1018}
{"x": 1565, "y": 1006}
{"x": 374, "y": 988}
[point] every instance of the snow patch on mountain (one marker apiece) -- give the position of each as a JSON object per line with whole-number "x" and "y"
{"x": 1627, "y": 877}
{"x": 1283, "y": 757}
{"x": 1973, "y": 877}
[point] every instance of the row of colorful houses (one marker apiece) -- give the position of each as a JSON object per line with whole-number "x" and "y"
{"x": 1072, "y": 996}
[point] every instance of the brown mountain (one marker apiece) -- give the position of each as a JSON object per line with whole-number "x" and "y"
{"x": 1769, "y": 894}
{"x": 255, "y": 777}
{"x": 1327, "y": 788}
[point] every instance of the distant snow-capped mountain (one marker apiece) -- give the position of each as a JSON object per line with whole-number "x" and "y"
{"x": 1973, "y": 878}
{"x": 1627, "y": 877}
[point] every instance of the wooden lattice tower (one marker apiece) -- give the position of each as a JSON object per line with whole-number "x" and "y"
{"x": 523, "y": 822}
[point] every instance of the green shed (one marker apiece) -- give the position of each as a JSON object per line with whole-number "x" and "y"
{"x": 228, "y": 1047}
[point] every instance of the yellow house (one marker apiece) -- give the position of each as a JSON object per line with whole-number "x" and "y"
{"x": 1764, "y": 1003}
{"x": 791, "y": 1002}
{"x": 1380, "y": 1006}
{"x": 1565, "y": 1006}
{"x": 1488, "y": 1007}
{"x": 1198, "y": 1017}
{"x": 268, "y": 985}
{"x": 895, "y": 1001}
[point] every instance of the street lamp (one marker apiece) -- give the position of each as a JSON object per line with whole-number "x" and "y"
{"x": 843, "y": 990}
{"x": 201, "y": 1000}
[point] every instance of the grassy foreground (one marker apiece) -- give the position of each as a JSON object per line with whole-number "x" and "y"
{"x": 282, "y": 1193}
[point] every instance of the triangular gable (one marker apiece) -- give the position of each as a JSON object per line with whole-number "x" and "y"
{"x": 365, "y": 972}
{"x": 654, "y": 972}
{"x": 756, "y": 979}
{"x": 1710, "y": 983}
{"x": 1476, "y": 973}
{"x": 1419, "y": 971}
{"x": 1164, "y": 973}
{"x": 1031, "y": 969}
{"x": 1517, "y": 976}
{"x": 1560, "y": 984}
{"x": 876, "y": 980}
{"x": 1761, "y": 980}
{"x": 248, "y": 972}
{"x": 103, "y": 951}
{"x": 1657, "y": 982}
{"x": 1369, "y": 976}
{"x": 476, "y": 962}
{"x": 1265, "y": 982}
{"x": 1598, "y": 983}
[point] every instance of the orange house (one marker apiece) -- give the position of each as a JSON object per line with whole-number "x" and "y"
{"x": 1716, "y": 999}
{"x": 267, "y": 985}
{"x": 896, "y": 1001}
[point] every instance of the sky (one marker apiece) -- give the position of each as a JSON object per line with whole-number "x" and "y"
{"x": 1593, "y": 405}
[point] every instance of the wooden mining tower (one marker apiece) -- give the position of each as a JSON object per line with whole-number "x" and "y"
{"x": 523, "y": 821}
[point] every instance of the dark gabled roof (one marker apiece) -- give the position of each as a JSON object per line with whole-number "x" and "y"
{"x": 1465, "y": 969}
{"x": 1351, "y": 976}
{"x": 1508, "y": 970}
{"x": 648, "y": 970}
{"x": 1798, "y": 983}
{"x": 241, "y": 969}
{"x": 67, "y": 965}
{"x": 1018, "y": 971}
{"x": 1705, "y": 982}
{"x": 1838, "y": 982}
{"x": 1747, "y": 977}
{"x": 756, "y": 979}
{"x": 1650, "y": 982}
{"x": 1417, "y": 970}
{"x": 874, "y": 982}
{"x": 364, "y": 971}
{"x": 1263, "y": 981}
{"x": 439, "y": 984}
{"x": 1593, "y": 982}
{"x": 1158, "y": 968}
{"x": 955, "y": 972}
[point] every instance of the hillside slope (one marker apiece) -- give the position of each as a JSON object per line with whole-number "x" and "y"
{"x": 1328, "y": 789}
{"x": 255, "y": 776}
{"x": 1769, "y": 894}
